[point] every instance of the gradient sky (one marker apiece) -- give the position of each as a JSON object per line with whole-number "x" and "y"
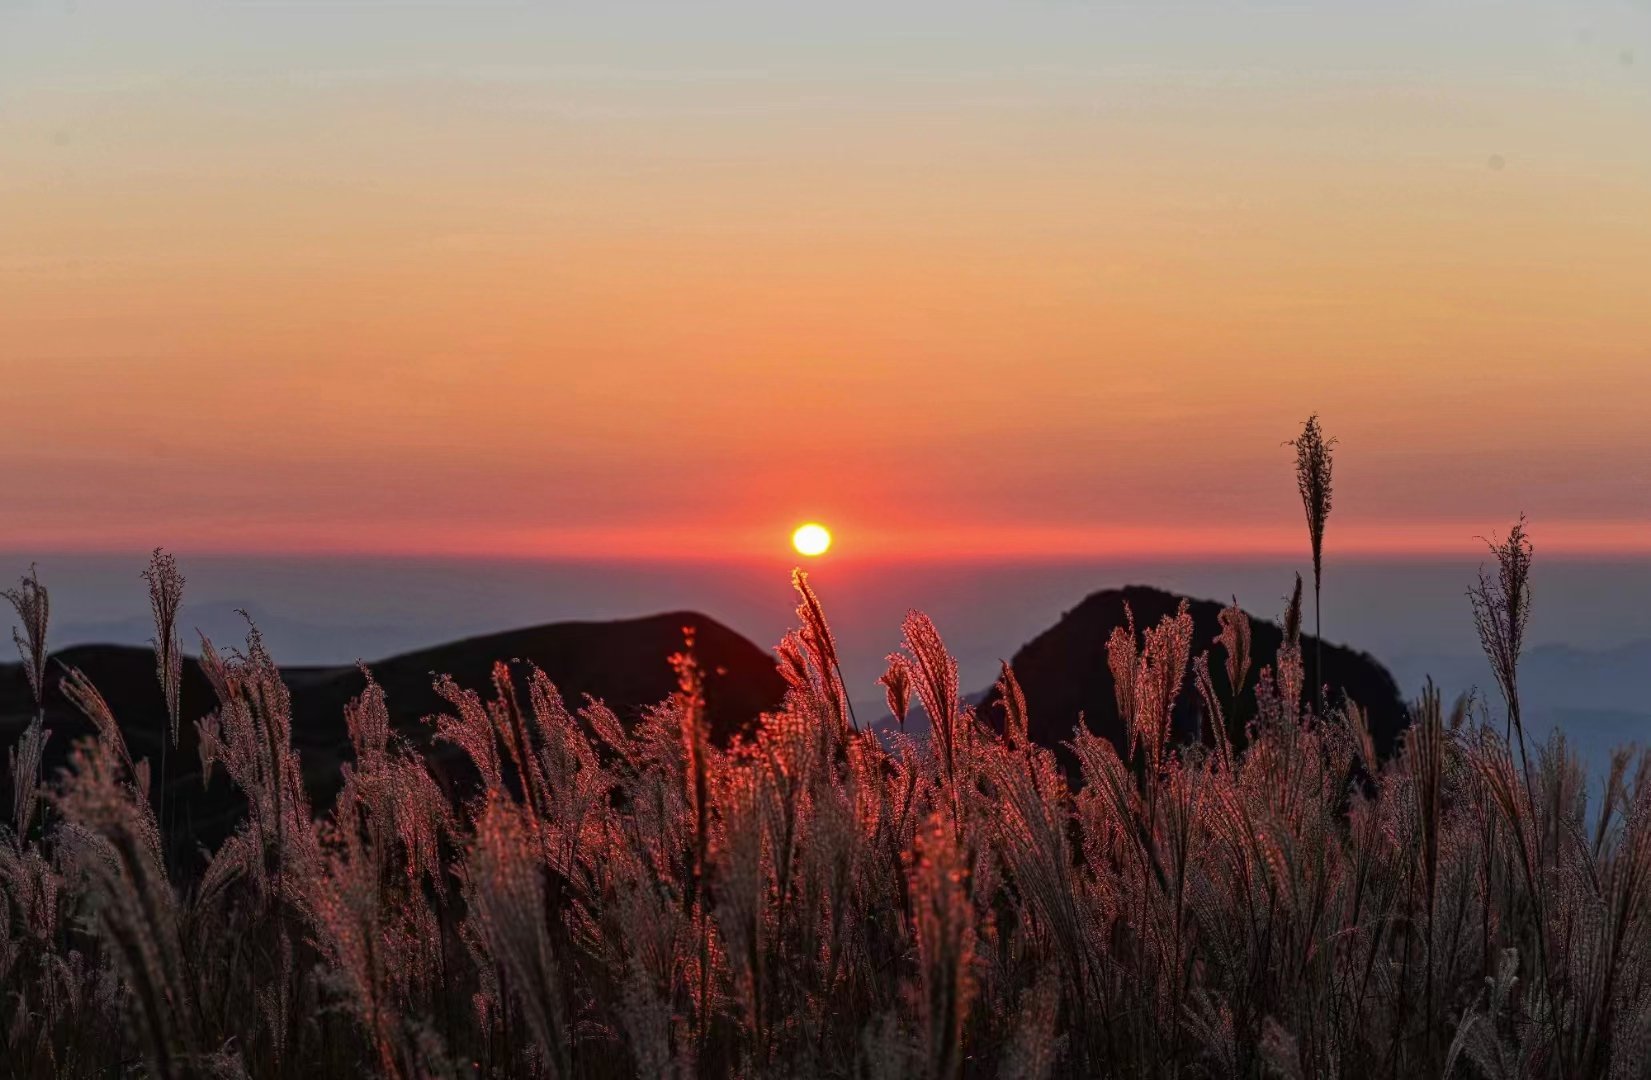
{"x": 1038, "y": 278}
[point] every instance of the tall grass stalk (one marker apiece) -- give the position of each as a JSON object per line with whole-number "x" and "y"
{"x": 1313, "y": 482}
{"x": 33, "y": 605}
{"x": 165, "y": 598}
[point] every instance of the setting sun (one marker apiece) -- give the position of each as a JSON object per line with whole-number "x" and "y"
{"x": 811, "y": 539}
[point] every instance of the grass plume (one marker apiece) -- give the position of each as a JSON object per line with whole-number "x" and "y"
{"x": 1314, "y": 468}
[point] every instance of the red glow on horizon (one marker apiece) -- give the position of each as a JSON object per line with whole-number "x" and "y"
{"x": 872, "y": 543}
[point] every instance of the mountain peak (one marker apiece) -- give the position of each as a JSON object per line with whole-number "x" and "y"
{"x": 1064, "y": 672}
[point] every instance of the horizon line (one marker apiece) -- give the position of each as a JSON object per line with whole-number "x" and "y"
{"x": 1372, "y": 541}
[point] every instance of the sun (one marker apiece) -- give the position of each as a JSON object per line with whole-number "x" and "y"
{"x": 811, "y": 539}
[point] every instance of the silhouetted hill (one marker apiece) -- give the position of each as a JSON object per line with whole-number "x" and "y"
{"x": 624, "y": 663}
{"x": 1064, "y": 672}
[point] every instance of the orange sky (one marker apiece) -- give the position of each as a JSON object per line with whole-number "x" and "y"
{"x": 1012, "y": 279}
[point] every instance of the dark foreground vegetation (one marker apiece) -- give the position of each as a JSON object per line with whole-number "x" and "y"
{"x": 1271, "y": 894}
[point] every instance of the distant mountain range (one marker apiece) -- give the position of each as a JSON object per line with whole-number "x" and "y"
{"x": 1550, "y": 676}
{"x": 1596, "y": 697}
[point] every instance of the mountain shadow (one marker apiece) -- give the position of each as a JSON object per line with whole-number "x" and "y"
{"x": 1064, "y": 673}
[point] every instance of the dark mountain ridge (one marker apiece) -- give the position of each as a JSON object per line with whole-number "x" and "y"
{"x": 1064, "y": 674}
{"x": 623, "y": 663}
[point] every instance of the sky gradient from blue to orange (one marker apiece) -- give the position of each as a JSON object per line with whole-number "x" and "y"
{"x": 1025, "y": 279}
